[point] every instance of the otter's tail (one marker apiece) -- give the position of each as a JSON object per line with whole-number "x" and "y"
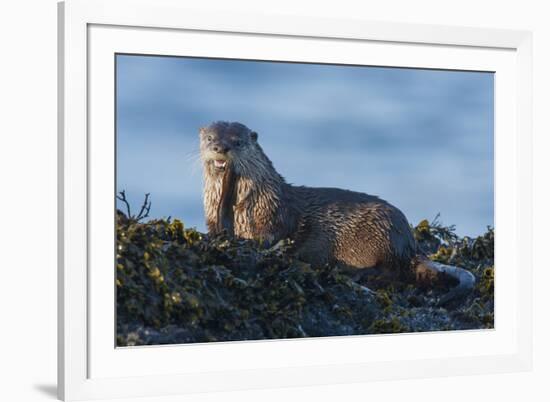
{"x": 431, "y": 271}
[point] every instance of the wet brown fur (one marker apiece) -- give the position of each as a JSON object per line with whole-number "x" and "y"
{"x": 328, "y": 225}
{"x": 249, "y": 199}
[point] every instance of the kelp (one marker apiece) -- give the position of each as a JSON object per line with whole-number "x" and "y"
{"x": 177, "y": 285}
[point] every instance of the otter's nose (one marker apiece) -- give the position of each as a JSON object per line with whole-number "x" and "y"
{"x": 220, "y": 149}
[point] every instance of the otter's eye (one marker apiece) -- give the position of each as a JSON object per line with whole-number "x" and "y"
{"x": 209, "y": 138}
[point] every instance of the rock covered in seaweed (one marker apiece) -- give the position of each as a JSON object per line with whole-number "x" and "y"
{"x": 176, "y": 285}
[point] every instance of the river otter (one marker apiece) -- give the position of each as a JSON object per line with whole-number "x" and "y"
{"x": 247, "y": 197}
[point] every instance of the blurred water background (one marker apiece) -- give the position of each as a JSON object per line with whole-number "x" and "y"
{"x": 421, "y": 139}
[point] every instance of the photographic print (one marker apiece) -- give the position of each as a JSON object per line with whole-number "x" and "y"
{"x": 271, "y": 200}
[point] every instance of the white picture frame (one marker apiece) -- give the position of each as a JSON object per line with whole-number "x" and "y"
{"x": 90, "y": 366}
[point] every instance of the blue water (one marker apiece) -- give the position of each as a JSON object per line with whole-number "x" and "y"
{"x": 421, "y": 139}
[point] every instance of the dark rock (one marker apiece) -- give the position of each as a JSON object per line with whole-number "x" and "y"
{"x": 176, "y": 285}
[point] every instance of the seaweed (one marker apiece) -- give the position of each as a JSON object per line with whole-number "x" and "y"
{"x": 177, "y": 285}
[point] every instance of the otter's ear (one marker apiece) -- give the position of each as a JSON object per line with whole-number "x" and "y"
{"x": 202, "y": 130}
{"x": 254, "y": 136}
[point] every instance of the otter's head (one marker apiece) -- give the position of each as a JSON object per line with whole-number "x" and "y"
{"x": 225, "y": 146}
